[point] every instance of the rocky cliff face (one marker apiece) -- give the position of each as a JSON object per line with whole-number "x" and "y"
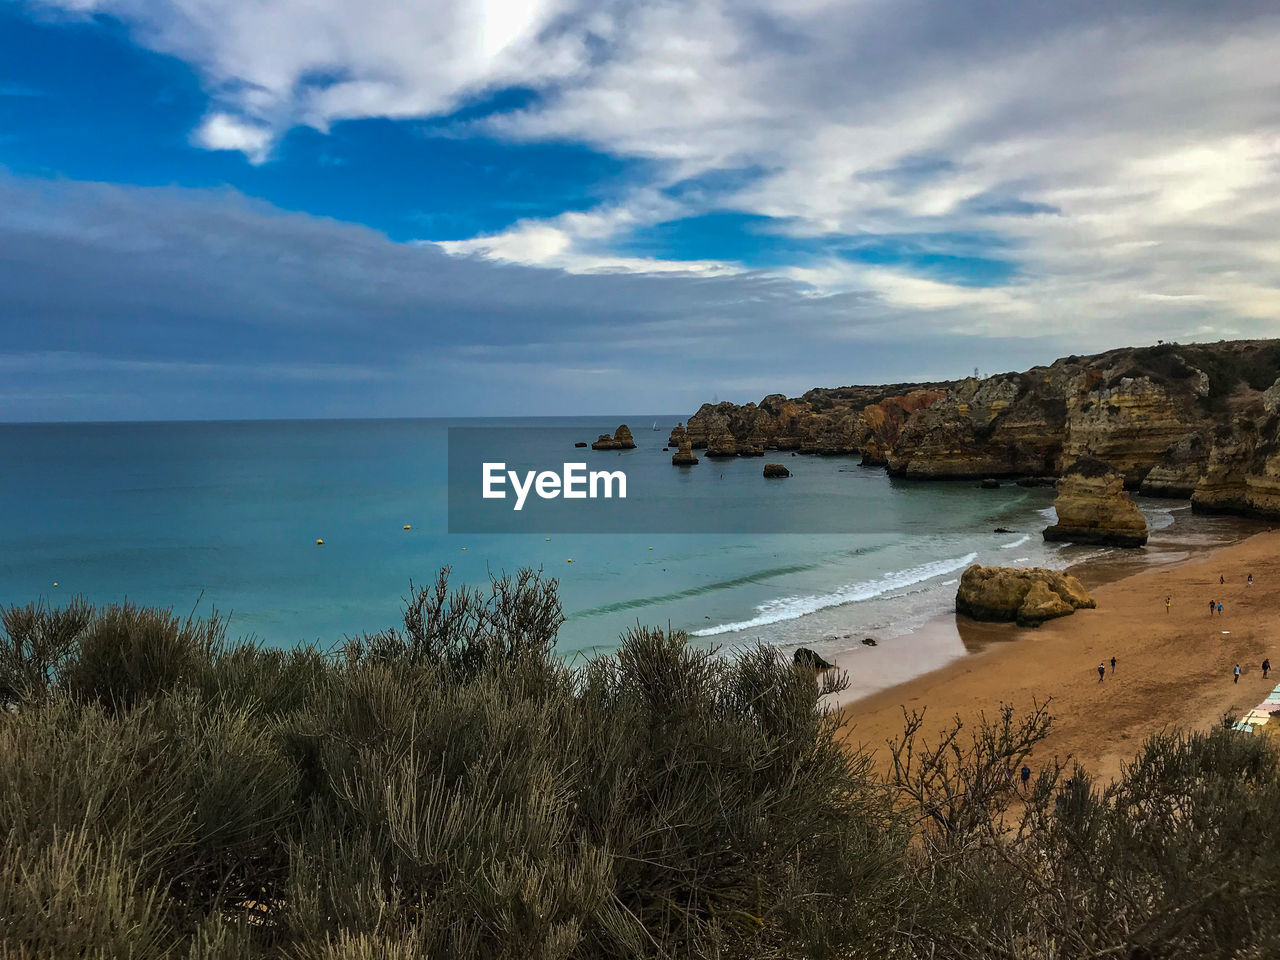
{"x": 1092, "y": 507}
{"x": 1027, "y": 596}
{"x": 1243, "y": 473}
{"x": 1155, "y": 415}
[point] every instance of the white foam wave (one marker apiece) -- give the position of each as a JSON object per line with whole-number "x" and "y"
{"x": 1016, "y": 543}
{"x": 1049, "y": 513}
{"x": 792, "y": 608}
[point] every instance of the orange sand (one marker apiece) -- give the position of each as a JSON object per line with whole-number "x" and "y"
{"x": 1173, "y": 670}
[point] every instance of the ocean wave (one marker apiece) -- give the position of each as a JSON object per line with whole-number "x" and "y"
{"x": 1016, "y": 543}
{"x": 1049, "y": 513}
{"x": 792, "y": 608}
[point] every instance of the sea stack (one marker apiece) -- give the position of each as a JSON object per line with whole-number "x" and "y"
{"x": 776, "y": 470}
{"x": 1093, "y": 508}
{"x": 1027, "y": 596}
{"x": 684, "y": 456}
{"x": 621, "y": 439}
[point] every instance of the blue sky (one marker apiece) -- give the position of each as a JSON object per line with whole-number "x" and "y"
{"x": 224, "y": 208}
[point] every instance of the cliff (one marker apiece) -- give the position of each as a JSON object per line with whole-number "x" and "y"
{"x": 1165, "y": 418}
{"x": 1243, "y": 473}
{"x": 1092, "y": 507}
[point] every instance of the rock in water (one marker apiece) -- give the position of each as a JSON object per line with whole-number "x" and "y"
{"x": 804, "y": 657}
{"x": 581, "y": 443}
{"x": 684, "y": 456}
{"x": 776, "y": 470}
{"x": 1093, "y": 508}
{"x": 620, "y": 440}
{"x": 1027, "y": 596}
{"x": 991, "y": 483}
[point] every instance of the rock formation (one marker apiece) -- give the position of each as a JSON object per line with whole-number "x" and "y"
{"x": 810, "y": 660}
{"x": 684, "y": 456}
{"x": 776, "y": 470}
{"x": 1027, "y": 596}
{"x": 1163, "y": 417}
{"x": 621, "y": 439}
{"x": 1243, "y": 476}
{"x": 1092, "y": 507}
{"x": 678, "y": 436}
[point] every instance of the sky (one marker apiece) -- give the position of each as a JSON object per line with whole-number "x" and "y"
{"x": 319, "y": 208}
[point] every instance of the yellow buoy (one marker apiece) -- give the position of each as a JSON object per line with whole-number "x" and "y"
{"x": 651, "y": 548}
{"x": 464, "y": 548}
{"x": 548, "y": 539}
{"x": 570, "y": 560}
{"x": 55, "y": 583}
{"x": 407, "y": 527}
{"x": 319, "y": 543}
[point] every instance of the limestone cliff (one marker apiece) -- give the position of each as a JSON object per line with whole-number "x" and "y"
{"x": 1154, "y": 414}
{"x": 1092, "y": 507}
{"x": 1243, "y": 475}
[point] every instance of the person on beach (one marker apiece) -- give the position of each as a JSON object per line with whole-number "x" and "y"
{"x": 1249, "y": 582}
{"x": 1113, "y": 664}
{"x": 1026, "y": 776}
{"x": 1236, "y": 672}
{"x": 1102, "y": 672}
{"x": 1212, "y": 604}
{"x": 1167, "y": 602}
{"x": 1266, "y": 668}
{"x": 1219, "y": 608}
{"x": 1221, "y": 579}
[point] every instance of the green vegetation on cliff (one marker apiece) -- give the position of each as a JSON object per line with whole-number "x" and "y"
{"x": 451, "y": 789}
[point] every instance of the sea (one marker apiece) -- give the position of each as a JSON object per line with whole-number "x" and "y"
{"x": 225, "y": 517}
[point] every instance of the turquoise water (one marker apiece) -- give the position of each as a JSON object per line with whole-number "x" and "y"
{"x": 227, "y": 515}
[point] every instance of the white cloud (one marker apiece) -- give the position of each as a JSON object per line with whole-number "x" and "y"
{"x": 1121, "y": 155}
{"x": 220, "y": 131}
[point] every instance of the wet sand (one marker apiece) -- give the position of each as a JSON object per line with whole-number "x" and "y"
{"x": 1173, "y": 670}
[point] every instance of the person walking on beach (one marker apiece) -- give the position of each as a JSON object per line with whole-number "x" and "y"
{"x": 1167, "y": 602}
{"x": 1212, "y": 604}
{"x": 1102, "y": 672}
{"x": 1221, "y": 579}
{"x": 1113, "y": 664}
{"x": 1236, "y": 672}
{"x": 1026, "y": 776}
{"x": 1266, "y": 668}
{"x": 1219, "y": 608}
{"x": 1249, "y": 582}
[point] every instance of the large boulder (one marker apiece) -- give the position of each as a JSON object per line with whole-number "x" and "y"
{"x": 1027, "y": 596}
{"x": 811, "y": 660}
{"x": 776, "y": 470}
{"x": 1092, "y": 507}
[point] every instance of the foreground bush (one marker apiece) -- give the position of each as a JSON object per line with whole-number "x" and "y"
{"x": 451, "y": 789}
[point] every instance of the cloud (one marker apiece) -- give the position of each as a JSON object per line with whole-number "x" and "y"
{"x": 131, "y": 302}
{"x": 1123, "y": 155}
{"x": 220, "y": 131}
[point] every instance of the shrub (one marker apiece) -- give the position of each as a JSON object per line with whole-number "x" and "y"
{"x": 451, "y": 789}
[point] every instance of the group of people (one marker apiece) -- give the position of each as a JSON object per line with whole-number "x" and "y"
{"x": 1215, "y": 606}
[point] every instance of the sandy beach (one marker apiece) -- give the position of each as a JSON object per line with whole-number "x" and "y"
{"x": 1173, "y": 669}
